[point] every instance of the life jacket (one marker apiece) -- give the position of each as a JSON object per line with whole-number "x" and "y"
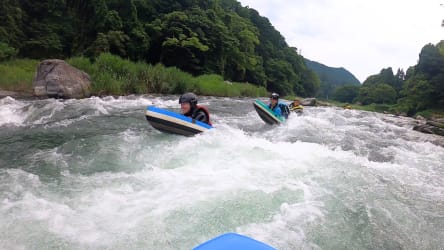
{"x": 285, "y": 111}
{"x": 293, "y": 108}
{"x": 205, "y": 110}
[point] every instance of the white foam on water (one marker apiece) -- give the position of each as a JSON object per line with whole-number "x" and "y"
{"x": 286, "y": 230}
{"x": 327, "y": 174}
{"x": 110, "y": 203}
{"x": 62, "y": 113}
{"x": 10, "y": 112}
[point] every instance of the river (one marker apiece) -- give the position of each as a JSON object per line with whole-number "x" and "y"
{"x": 93, "y": 174}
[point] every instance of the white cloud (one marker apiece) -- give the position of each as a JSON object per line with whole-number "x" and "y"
{"x": 362, "y": 36}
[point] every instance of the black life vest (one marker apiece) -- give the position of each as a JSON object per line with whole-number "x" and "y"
{"x": 205, "y": 110}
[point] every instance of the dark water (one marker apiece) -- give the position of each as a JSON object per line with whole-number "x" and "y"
{"x": 92, "y": 174}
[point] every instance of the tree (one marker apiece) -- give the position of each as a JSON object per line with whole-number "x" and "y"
{"x": 399, "y": 80}
{"x": 47, "y": 31}
{"x": 279, "y": 72}
{"x": 430, "y": 61}
{"x": 384, "y": 94}
{"x": 347, "y": 93}
{"x": 381, "y": 93}
{"x": 418, "y": 94}
{"x": 11, "y": 23}
{"x": 181, "y": 46}
{"x": 199, "y": 37}
{"x": 310, "y": 83}
{"x": 431, "y": 67}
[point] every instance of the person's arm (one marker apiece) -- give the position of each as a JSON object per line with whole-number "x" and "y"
{"x": 201, "y": 116}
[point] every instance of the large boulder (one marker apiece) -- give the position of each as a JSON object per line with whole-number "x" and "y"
{"x": 309, "y": 102}
{"x": 56, "y": 78}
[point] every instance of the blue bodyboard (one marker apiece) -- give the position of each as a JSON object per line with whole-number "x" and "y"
{"x": 233, "y": 241}
{"x": 171, "y": 122}
{"x": 177, "y": 115}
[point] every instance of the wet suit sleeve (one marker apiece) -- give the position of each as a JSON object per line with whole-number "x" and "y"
{"x": 201, "y": 116}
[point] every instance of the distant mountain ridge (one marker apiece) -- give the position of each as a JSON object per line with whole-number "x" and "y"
{"x": 331, "y": 78}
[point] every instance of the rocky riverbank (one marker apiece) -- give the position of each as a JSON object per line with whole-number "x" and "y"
{"x": 433, "y": 126}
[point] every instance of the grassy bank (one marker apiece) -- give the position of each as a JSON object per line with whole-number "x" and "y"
{"x": 17, "y": 75}
{"x": 112, "y": 75}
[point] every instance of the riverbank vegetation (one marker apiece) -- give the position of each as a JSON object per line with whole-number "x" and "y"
{"x": 112, "y": 75}
{"x": 387, "y": 108}
{"x": 198, "y": 37}
{"x": 17, "y": 74}
{"x": 159, "y": 46}
{"x": 418, "y": 91}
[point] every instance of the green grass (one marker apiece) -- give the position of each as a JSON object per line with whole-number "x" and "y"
{"x": 112, "y": 75}
{"x": 116, "y": 76}
{"x": 215, "y": 85}
{"x": 17, "y": 75}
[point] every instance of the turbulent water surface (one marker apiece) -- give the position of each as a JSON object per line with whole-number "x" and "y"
{"x": 92, "y": 174}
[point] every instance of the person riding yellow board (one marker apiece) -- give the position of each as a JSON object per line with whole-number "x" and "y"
{"x": 296, "y": 106}
{"x": 347, "y": 106}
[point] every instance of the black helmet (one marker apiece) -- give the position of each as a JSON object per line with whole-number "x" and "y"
{"x": 274, "y": 96}
{"x": 188, "y": 97}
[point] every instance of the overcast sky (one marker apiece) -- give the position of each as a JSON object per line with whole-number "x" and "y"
{"x": 361, "y": 36}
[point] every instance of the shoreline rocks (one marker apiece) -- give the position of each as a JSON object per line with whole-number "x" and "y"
{"x": 435, "y": 127}
{"x": 310, "y": 102}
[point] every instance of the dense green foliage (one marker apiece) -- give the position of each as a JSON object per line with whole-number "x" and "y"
{"x": 331, "y": 78}
{"x": 420, "y": 88}
{"x": 383, "y": 88}
{"x": 113, "y": 75}
{"x": 199, "y": 37}
{"x": 347, "y": 93}
{"x": 6, "y": 52}
{"x": 380, "y": 93}
{"x": 424, "y": 84}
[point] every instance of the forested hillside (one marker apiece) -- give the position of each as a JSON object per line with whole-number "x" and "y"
{"x": 331, "y": 78}
{"x": 197, "y": 36}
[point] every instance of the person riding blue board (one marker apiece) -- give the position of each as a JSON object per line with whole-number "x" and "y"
{"x": 189, "y": 108}
{"x": 278, "y": 108}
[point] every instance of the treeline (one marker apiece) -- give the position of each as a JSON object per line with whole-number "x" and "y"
{"x": 331, "y": 78}
{"x": 197, "y": 36}
{"x": 418, "y": 89}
